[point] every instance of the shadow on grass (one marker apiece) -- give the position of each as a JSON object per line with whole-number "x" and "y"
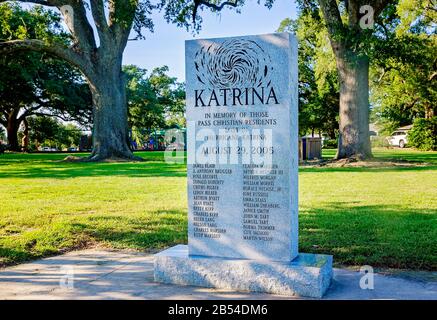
{"x": 415, "y": 156}
{"x": 394, "y": 154}
{"x": 379, "y": 235}
{"x": 412, "y": 167}
{"x": 155, "y": 230}
{"x": 152, "y": 167}
{"x": 36, "y": 166}
{"x": 387, "y": 236}
{"x": 61, "y": 170}
{"x": 167, "y": 227}
{"x": 11, "y": 255}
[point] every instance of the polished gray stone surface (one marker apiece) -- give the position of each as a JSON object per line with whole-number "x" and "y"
{"x": 308, "y": 275}
{"x": 237, "y": 209}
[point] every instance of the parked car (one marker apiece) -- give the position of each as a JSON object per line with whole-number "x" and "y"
{"x": 398, "y": 139}
{"x": 72, "y": 149}
{"x": 175, "y": 147}
{"x": 49, "y": 149}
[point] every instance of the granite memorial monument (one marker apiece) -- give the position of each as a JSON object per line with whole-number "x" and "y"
{"x": 242, "y": 136}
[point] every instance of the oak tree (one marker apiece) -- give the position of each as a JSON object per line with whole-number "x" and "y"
{"x": 99, "y": 58}
{"x": 33, "y": 83}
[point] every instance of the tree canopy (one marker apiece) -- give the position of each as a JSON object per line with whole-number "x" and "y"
{"x": 404, "y": 69}
{"x": 339, "y": 41}
{"x": 49, "y": 132}
{"x": 34, "y": 83}
{"x": 318, "y": 81}
{"x": 155, "y": 100}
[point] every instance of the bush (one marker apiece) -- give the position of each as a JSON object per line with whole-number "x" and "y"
{"x": 379, "y": 141}
{"x": 330, "y": 144}
{"x": 423, "y": 135}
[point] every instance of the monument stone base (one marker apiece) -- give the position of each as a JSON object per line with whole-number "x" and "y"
{"x": 308, "y": 275}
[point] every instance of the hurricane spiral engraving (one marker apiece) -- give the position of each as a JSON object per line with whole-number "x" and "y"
{"x": 233, "y": 64}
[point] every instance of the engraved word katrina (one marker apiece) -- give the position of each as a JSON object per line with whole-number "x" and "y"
{"x": 236, "y": 72}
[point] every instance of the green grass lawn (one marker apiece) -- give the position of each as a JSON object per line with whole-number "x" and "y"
{"x": 384, "y": 217}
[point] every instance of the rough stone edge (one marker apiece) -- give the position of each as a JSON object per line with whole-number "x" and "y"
{"x": 175, "y": 266}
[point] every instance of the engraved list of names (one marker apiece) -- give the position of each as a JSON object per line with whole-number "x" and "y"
{"x": 242, "y": 147}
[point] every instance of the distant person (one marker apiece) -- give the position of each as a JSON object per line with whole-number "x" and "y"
{"x": 134, "y": 145}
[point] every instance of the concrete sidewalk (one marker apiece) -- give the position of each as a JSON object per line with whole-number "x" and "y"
{"x": 105, "y": 274}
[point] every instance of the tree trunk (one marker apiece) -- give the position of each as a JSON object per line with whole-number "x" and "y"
{"x": 25, "y": 140}
{"x": 354, "y": 138}
{"x": 110, "y": 131}
{"x": 429, "y": 111}
{"x": 12, "y": 131}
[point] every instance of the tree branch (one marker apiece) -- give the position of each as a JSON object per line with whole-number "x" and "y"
{"x": 30, "y": 111}
{"x": 38, "y": 45}
{"x": 121, "y": 18}
{"x": 62, "y": 117}
{"x": 331, "y": 14}
{"x": 76, "y": 21}
{"x": 217, "y": 7}
{"x": 378, "y": 6}
{"x": 98, "y": 12}
{"x": 353, "y": 10}
{"x": 333, "y": 20}
{"x": 78, "y": 24}
{"x": 198, "y": 3}
{"x": 40, "y": 2}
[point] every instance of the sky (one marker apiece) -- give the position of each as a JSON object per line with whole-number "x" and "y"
{"x": 166, "y": 45}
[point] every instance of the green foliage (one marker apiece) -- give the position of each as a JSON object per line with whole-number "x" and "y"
{"x": 35, "y": 83}
{"x": 155, "y": 101}
{"x": 143, "y": 10}
{"x": 330, "y": 144}
{"x": 143, "y": 106}
{"x": 403, "y": 74}
{"x": 43, "y": 130}
{"x": 48, "y": 132}
{"x": 186, "y": 13}
{"x": 171, "y": 95}
{"x": 183, "y": 13}
{"x": 34, "y": 23}
{"x": 417, "y": 16}
{"x": 423, "y": 135}
{"x": 379, "y": 142}
{"x": 69, "y": 135}
{"x": 318, "y": 80}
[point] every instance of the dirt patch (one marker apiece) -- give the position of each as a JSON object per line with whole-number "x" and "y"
{"x": 371, "y": 163}
{"x": 75, "y": 159}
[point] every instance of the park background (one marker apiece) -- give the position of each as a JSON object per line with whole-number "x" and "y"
{"x": 379, "y": 211}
